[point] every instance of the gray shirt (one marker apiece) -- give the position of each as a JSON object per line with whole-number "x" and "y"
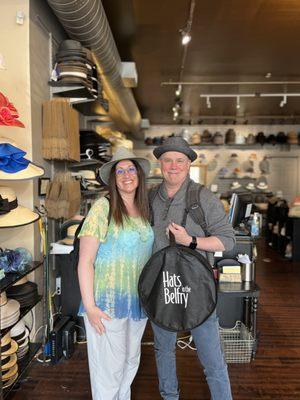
{"x": 168, "y": 210}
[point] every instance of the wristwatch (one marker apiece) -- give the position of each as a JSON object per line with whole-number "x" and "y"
{"x": 193, "y": 243}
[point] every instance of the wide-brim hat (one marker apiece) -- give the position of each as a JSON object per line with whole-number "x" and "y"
{"x": 11, "y": 213}
{"x": 9, "y": 149}
{"x": 12, "y": 348}
{"x": 175, "y": 143}
{"x": 10, "y": 381}
{"x": 6, "y": 375}
{"x": 8, "y": 362}
{"x": 121, "y": 154}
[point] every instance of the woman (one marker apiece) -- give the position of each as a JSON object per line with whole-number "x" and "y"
{"x": 115, "y": 243}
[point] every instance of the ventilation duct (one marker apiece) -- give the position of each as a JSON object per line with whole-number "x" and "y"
{"x": 86, "y": 22}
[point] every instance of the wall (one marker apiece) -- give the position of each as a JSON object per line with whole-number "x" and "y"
{"x": 288, "y": 155}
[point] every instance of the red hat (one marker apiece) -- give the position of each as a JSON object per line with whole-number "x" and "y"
{"x": 8, "y": 113}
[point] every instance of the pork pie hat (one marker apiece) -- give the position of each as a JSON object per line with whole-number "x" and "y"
{"x": 9, "y": 312}
{"x": 123, "y": 153}
{"x": 13, "y": 165}
{"x": 11, "y": 213}
{"x": 175, "y": 143}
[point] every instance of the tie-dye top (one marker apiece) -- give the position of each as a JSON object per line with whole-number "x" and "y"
{"x": 121, "y": 256}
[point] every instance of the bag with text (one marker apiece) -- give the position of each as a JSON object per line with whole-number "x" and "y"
{"x": 177, "y": 288}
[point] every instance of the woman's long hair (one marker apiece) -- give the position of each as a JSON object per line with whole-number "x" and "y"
{"x": 117, "y": 206}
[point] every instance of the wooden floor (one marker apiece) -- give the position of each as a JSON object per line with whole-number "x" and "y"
{"x": 274, "y": 374}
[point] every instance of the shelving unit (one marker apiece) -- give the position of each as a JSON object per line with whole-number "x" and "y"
{"x": 5, "y": 283}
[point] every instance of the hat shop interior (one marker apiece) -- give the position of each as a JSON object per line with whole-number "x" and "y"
{"x": 222, "y": 75}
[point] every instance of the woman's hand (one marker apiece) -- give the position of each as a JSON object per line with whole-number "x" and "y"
{"x": 95, "y": 316}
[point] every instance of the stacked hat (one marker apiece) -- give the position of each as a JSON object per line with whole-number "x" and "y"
{"x": 292, "y": 137}
{"x": 218, "y": 138}
{"x": 250, "y": 139}
{"x": 281, "y": 137}
{"x": 271, "y": 139}
{"x": 10, "y": 311}
{"x": 195, "y": 139}
{"x": 20, "y": 334}
{"x": 206, "y": 137}
{"x": 24, "y": 291}
{"x": 11, "y": 213}
{"x": 75, "y": 66}
{"x": 230, "y": 136}
{"x": 9, "y": 366}
{"x": 260, "y": 138}
{"x": 240, "y": 139}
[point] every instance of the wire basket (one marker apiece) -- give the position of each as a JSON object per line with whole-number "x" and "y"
{"x": 237, "y": 343}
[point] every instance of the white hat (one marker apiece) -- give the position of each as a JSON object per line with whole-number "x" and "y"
{"x": 12, "y": 214}
{"x": 262, "y": 186}
{"x": 30, "y": 171}
{"x": 250, "y": 186}
{"x": 235, "y": 185}
{"x": 9, "y": 312}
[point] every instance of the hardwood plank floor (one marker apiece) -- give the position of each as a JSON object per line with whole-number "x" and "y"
{"x": 273, "y": 375}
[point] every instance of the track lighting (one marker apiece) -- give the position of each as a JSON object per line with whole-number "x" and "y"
{"x": 186, "y": 38}
{"x": 208, "y": 103}
{"x": 178, "y": 91}
{"x": 283, "y": 101}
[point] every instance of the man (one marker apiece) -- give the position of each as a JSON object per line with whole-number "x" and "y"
{"x": 175, "y": 157}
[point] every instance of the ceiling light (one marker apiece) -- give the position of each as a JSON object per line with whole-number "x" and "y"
{"x": 238, "y": 102}
{"x": 178, "y": 90}
{"x": 186, "y": 38}
{"x": 208, "y": 103}
{"x": 283, "y": 101}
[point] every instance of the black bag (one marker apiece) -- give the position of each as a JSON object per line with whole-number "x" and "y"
{"x": 177, "y": 288}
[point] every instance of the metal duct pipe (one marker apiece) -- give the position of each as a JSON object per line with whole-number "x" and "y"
{"x": 85, "y": 21}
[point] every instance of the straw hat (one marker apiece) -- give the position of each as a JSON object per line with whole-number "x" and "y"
{"x": 13, "y": 165}
{"x": 69, "y": 239}
{"x": 89, "y": 176}
{"x": 8, "y": 362}
{"x": 11, "y": 214}
{"x": 123, "y": 154}
{"x": 9, "y": 312}
{"x": 6, "y": 375}
{"x": 262, "y": 186}
{"x": 8, "y": 345}
{"x": 10, "y": 381}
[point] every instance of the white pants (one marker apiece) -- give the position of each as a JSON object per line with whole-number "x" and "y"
{"x": 114, "y": 357}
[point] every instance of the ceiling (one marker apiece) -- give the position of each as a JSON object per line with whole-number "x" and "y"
{"x": 232, "y": 41}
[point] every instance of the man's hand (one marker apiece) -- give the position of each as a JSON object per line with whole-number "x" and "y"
{"x": 95, "y": 316}
{"x": 181, "y": 235}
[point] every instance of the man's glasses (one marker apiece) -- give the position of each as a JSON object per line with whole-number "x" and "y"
{"x": 130, "y": 170}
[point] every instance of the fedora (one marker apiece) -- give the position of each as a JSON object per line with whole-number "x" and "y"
{"x": 250, "y": 186}
{"x": 235, "y": 185}
{"x": 13, "y": 165}
{"x": 12, "y": 214}
{"x": 123, "y": 153}
{"x": 262, "y": 186}
{"x": 89, "y": 175}
{"x": 175, "y": 143}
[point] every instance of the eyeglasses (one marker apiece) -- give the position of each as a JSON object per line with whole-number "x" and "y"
{"x": 130, "y": 170}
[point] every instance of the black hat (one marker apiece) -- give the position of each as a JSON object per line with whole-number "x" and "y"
{"x": 175, "y": 143}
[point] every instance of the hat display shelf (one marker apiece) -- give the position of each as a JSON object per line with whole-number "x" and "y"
{"x": 14, "y": 215}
